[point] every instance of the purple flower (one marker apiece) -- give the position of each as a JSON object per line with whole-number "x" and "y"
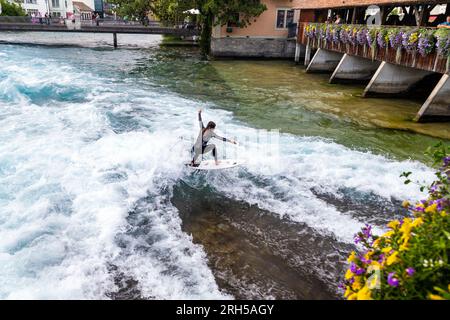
{"x": 426, "y": 43}
{"x": 381, "y": 258}
{"x": 443, "y": 46}
{"x": 367, "y": 231}
{"x": 395, "y": 39}
{"x": 392, "y": 281}
{"x": 410, "y": 271}
{"x": 446, "y": 161}
{"x": 361, "y": 36}
{"x": 357, "y": 239}
{"x": 381, "y": 40}
{"x": 353, "y": 267}
{"x": 366, "y": 261}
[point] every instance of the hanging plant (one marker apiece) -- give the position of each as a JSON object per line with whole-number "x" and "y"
{"x": 395, "y": 38}
{"x": 410, "y": 41}
{"x": 383, "y": 38}
{"x": 335, "y": 33}
{"x": 443, "y": 42}
{"x": 361, "y": 36}
{"x": 426, "y": 43}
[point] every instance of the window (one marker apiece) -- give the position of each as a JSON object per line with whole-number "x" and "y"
{"x": 32, "y": 11}
{"x": 284, "y": 18}
{"x": 55, "y": 3}
{"x": 31, "y": 1}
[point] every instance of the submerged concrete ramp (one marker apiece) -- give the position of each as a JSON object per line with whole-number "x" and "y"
{"x": 353, "y": 68}
{"x": 324, "y": 61}
{"x": 392, "y": 79}
{"x": 437, "y": 106}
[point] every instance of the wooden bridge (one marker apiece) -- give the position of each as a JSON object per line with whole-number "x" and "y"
{"x": 113, "y": 27}
{"x": 386, "y": 71}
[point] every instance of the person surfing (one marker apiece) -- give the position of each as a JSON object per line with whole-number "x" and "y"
{"x": 202, "y": 145}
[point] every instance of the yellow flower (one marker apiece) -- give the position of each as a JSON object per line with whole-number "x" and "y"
{"x": 353, "y": 297}
{"x": 386, "y": 250}
{"x": 376, "y": 264}
{"x": 388, "y": 234}
{"x": 356, "y": 285}
{"x": 348, "y": 292}
{"x": 352, "y": 257}
{"x": 393, "y": 258}
{"x": 376, "y": 243}
{"x": 405, "y": 204}
{"x": 364, "y": 294}
{"x": 348, "y": 274}
{"x": 435, "y": 297}
{"x": 406, "y": 226}
{"x": 431, "y": 209}
{"x": 368, "y": 255}
{"x": 393, "y": 224}
{"x": 443, "y": 213}
{"x": 417, "y": 222}
{"x": 404, "y": 247}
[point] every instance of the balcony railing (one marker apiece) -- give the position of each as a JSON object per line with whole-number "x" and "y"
{"x": 420, "y": 48}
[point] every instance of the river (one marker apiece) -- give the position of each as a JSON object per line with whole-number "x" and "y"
{"x": 96, "y": 203}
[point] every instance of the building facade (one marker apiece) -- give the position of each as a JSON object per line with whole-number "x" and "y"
{"x": 267, "y": 36}
{"x": 55, "y": 8}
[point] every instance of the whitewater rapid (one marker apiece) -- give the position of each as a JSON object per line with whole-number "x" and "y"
{"x": 88, "y": 160}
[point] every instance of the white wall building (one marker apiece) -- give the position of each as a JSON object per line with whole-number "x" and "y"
{"x": 56, "y": 8}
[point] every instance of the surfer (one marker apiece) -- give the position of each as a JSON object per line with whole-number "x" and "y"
{"x": 201, "y": 146}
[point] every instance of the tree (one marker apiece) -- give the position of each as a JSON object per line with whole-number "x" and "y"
{"x": 11, "y": 9}
{"x": 134, "y": 8}
{"x": 221, "y": 12}
{"x": 212, "y": 12}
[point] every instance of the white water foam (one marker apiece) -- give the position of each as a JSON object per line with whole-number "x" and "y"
{"x": 71, "y": 173}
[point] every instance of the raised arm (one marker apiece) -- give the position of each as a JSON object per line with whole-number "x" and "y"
{"x": 200, "y": 121}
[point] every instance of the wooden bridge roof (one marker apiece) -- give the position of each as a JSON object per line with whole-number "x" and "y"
{"x": 328, "y": 4}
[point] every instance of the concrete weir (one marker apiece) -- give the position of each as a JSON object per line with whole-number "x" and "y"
{"x": 437, "y": 106}
{"x": 324, "y": 61}
{"x": 392, "y": 79}
{"x": 352, "y": 68}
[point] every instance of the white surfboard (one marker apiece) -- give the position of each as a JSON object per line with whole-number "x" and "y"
{"x": 211, "y": 164}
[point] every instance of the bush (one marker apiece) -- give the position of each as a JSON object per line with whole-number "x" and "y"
{"x": 11, "y": 9}
{"x": 409, "y": 261}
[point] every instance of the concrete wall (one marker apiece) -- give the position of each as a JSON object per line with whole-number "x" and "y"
{"x": 253, "y": 48}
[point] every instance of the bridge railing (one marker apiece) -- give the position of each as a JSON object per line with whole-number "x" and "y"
{"x": 394, "y": 44}
{"x": 108, "y": 21}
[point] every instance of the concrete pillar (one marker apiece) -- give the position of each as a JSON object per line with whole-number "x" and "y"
{"x": 393, "y": 79}
{"x": 308, "y": 53}
{"x": 437, "y": 106}
{"x": 115, "y": 39}
{"x": 353, "y": 68}
{"x": 299, "y": 52}
{"x": 324, "y": 61}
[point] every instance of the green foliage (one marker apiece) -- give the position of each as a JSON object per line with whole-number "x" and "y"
{"x": 133, "y": 8}
{"x": 11, "y": 9}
